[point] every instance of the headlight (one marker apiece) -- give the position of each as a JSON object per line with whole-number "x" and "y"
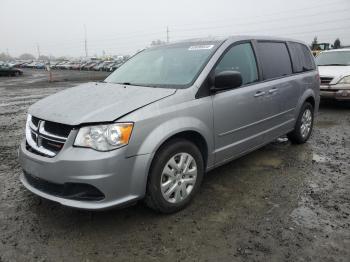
{"x": 344, "y": 80}
{"x": 104, "y": 137}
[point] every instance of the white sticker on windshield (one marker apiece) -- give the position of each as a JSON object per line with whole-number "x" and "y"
{"x": 200, "y": 47}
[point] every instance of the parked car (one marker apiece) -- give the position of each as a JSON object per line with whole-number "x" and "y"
{"x": 53, "y": 64}
{"x": 66, "y": 66}
{"x": 75, "y": 66}
{"x": 31, "y": 64}
{"x": 57, "y": 65}
{"x": 92, "y": 65}
{"x": 40, "y": 65}
{"x": 82, "y": 64}
{"x": 25, "y": 64}
{"x": 88, "y": 66}
{"x": 115, "y": 66}
{"x": 334, "y": 68}
{"x": 165, "y": 117}
{"x": 19, "y": 64}
{"x": 98, "y": 66}
{"x": 7, "y": 70}
{"x": 106, "y": 66}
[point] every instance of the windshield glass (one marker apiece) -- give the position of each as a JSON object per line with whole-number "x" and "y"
{"x": 333, "y": 58}
{"x": 170, "y": 66}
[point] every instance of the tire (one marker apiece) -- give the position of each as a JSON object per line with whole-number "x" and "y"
{"x": 179, "y": 184}
{"x": 304, "y": 125}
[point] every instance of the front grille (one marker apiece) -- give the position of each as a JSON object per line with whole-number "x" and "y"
{"x": 35, "y": 120}
{"x": 53, "y": 146}
{"x": 76, "y": 191}
{"x": 46, "y": 138}
{"x": 57, "y": 129}
{"x": 326, "y": 80}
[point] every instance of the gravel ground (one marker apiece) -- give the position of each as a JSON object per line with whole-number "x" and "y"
{"x": 280, "y": 203}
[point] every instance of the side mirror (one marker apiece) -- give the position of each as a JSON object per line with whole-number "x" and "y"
{"x": 227, "y": 80}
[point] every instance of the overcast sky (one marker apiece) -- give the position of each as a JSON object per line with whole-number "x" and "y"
{"x": 123, "y": 27}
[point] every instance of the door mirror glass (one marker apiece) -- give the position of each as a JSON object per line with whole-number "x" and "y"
{"x": 227, "y": 80}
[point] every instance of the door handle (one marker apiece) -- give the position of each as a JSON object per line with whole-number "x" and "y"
{"x": 273, "y": 90}
{"x": 259, "y": 93}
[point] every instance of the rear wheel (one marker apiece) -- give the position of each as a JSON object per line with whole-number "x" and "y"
{"x": 175, "y": 176}
{"x": 303, "y": 127}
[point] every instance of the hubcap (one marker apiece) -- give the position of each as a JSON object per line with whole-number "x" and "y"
{"x": 306, "y": 122}
{"x": 178, "y": 177}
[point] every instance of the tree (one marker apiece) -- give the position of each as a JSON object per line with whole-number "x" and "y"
{"x": 26, "y": 56}
{"x": 5, "y": 57}
{"x": 157, "y": 42}
{"x": 43, "y": 58}
{"x": 61, "y": 58}
{"x": 337, "y": 44}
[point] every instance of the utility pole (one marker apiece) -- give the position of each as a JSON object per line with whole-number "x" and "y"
{"x": 7, "y": 52}
{"x": 38, "y": 49}
{"x": 85, "y": 42}
{"x": 167, "y": 34}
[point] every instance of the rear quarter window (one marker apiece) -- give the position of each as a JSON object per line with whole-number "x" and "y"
{"x": 302, "y": 58}
{"x": 275, "y": 60}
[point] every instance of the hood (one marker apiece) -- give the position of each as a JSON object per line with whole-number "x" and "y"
{"x": 95, "y": 102}
{"x": 336, "y": 72}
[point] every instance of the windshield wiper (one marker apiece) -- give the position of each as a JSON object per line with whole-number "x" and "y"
{"x": 333, "y": 65}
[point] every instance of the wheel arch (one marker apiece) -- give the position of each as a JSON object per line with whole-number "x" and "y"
{"x": 311, "y": 100}
{"x": 308, "y": 96}
{"x": 192, "y": 136}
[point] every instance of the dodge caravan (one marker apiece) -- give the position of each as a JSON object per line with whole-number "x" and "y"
{"x": 156, "y": 125}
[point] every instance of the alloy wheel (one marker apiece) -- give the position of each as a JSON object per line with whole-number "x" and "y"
{"x": 306, "y": 123}
{"x": 178, "y": 178}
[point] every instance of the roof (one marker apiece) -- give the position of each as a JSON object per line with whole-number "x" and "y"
{"x": 337, "y": 50}
{"x": 237, "y": 38}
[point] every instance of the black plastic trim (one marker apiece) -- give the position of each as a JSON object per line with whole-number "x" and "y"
{"x": 74, "y": 191}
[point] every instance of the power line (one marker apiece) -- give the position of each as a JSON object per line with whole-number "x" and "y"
{"x": 266, "y": 21}
{"x": 236, "y": 18}
{"x": 289, "y": 11}
{"x": 125, "y": 37}
{"x": 272, "y": 29}
{"x": 287, "y": 34}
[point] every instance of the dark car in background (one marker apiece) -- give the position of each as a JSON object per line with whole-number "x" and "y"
{"x": 7, "y": 70}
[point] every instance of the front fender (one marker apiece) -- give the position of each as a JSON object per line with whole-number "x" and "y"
{"x": 170, "y": 128}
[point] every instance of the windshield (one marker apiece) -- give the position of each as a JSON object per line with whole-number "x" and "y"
{"x": 333, "y": 58}
{"x": 172, "y": 66}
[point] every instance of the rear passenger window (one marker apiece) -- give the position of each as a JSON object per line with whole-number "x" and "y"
{"x": 240, "y": 58}
{"x": 301, "y": 57}
{"x": 275, "y": 60}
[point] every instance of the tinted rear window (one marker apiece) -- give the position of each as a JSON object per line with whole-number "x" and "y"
{"x": 301, "y": 57}
{"x": 274, "y": 59}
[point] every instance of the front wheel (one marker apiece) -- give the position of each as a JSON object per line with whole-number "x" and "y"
{"x": 303, "y": 127}
{"x": 175, "y": 176}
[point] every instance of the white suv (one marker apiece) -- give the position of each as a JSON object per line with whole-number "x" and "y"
{"x": 334, "y": 69}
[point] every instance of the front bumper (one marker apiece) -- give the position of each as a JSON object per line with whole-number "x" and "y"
{"x": 120, "y": 179}
{"x": 335, "y": 94}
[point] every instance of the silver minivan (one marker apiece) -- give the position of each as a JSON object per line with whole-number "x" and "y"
{"x": 157, "y": 124}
